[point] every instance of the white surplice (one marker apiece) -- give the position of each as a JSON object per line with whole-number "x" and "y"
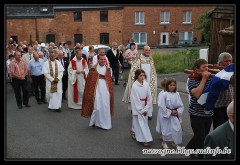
{"x": 54, "y": 99}
{"x": 147, "y": 64}
{"x": 139, "y": 121}
{"x": 171, "y": 125}
{"x": 159, "y": 115}
{"x": 72, "y": 77}
{"x": 101, "y": 115}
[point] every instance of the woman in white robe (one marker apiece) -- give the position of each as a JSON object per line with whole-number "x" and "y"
{"x": 141, "y": 104}
{"x": 171, "y": 107}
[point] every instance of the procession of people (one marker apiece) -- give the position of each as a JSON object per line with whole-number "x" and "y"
{"x": 87, "y": 84}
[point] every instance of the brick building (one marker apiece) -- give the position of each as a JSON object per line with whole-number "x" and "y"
{"x": 152, "y": 25}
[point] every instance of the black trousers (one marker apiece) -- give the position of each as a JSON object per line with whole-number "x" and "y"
{"x": 31, "y": 88}
{"x": 64, "y": 84}
{"x": 201, "y": 127}
{"x": 115, "y": 69}
{"x": 19, "y": 85}
{"x": 219, "y": 117}
{"x": 39, "y": 82}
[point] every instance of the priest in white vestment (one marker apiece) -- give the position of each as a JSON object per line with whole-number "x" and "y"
{"x": 77, "y": 74}
{"x": 98, "y": 95}
{"x": 141, "y": 104}
{"x": 145, "y": 62}
{"x": 53, "y": 71}
{"x": 101, "y": 51}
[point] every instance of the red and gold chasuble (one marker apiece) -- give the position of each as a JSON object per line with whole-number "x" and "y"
{"x": 75, "y": 87}
{"x": 90, "y": 90}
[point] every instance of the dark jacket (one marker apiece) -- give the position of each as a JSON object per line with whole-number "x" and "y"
{"x": 113, "y": 60}
{"x": 66, "y": 63}
{"x": 222, "y": 136}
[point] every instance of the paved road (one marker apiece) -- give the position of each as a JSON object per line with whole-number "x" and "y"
{"x": 36, "y": 133}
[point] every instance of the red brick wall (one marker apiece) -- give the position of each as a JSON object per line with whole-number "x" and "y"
{"x": 120, "y": 25}
{"x": 152, "y": 21}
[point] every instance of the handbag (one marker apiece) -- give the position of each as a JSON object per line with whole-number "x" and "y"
{"x": 126, "y": 64}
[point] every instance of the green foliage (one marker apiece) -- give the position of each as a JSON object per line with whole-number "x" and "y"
{"x": 172, "y": 62}
{"x": 205, "y": 25}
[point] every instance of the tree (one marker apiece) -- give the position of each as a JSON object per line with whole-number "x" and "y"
{"x": 205, "y": 25}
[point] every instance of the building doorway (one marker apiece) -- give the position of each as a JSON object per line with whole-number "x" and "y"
{"x": 50, "y": 38}
{"x": 164, "y": 38}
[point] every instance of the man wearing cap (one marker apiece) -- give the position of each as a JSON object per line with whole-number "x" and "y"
{"x": 44, "y": 51}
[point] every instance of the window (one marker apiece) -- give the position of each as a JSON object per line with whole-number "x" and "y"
{"x": 140, "y": 38}
{"x": 69, "y": 42}
{"x": 185, "y": 37}
{"x": 164, "y": 17}
{"x": 77, "y": 16}
{"x": 187, "y": 16}
{"x": 104, "y": 38}
{"x": 50, "y": 38}
{"x": 78, "y": 38}
{"x": 15, "y": 38}
{"x": 103, "y": 16}
{"x": 139, "y": 17}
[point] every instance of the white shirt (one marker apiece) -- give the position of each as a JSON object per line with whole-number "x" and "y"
{"x": 231, "y": 125}
{"x": 114, "y": 52}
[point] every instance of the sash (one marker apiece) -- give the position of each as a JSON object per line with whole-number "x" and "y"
{"x": 176, "y": 116}
{"x": 75, "y": 87}
{"x": 53, "y": 84}
{"x": 144, "y": 100}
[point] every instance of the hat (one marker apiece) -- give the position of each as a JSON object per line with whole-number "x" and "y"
{"x": 43, "y": 45}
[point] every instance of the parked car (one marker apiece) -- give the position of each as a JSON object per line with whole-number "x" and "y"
{"x": 96, "y": 47}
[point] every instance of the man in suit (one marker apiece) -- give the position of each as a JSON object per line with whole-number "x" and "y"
{"x": 116, "y": 60}
{"x": 222, "y": 137}
{"x": 64, "y": 62}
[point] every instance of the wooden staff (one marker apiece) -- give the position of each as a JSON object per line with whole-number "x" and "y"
{"x": 198, "y": 75}
{"x": 212, "y": 71}
{"x": 215, "y": 66}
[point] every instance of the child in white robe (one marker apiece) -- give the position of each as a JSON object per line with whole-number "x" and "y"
{"x": 160, "y": 116}
{"x": 171, "y": 107}
{"x": 141, "y": 104}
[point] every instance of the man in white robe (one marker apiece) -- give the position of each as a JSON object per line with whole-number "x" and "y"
{"x": 53, "y": 75}
{"x": 101, "y": 51}
{"x": 146, "y": 63}
{"x": 77, "y": 74}
{"x": 98, "y": 95}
